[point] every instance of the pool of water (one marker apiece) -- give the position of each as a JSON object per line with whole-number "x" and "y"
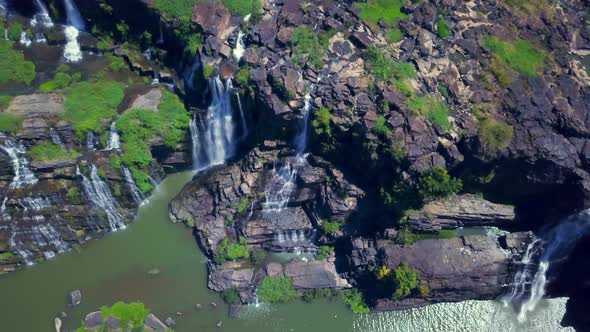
{"x": 116, "y": 268}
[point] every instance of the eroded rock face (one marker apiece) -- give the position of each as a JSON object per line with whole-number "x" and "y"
{"x": 460, "y": 211}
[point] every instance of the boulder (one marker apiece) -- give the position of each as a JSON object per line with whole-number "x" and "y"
{"x": 314, "y": 274}
{"x": 93, "y": 320}
{"x": 150, "y": 100}
{"x": 75, "y": 298}
{"x": 213, "y": 18}
{"x": 154, "y": 323}
{"x": 229, "y": 275}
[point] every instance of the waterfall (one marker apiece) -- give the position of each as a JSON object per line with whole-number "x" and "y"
{"x": 42, "y": 17}
{"x": 135, "y": 192}
{"x": 242, "y": 118}
{"x": 301, "y": 138}
{"x": 90, "y": 141}
{"x": 98, "y": 192}
{"x": 213, "y": 136}
{"x": 161, "y": 36}
{"x": 55, "y": 139}
{"x": 189, "y": 73}
{"x": 5, "y": 215}
{"x": 240, "y": 47}
{"x": 25, "y": 40}
{"x": 554, "y": 246}
{"x": 113, "y": 143}
{"x": 74, "y": 18}
{"x": 72, "y": 52}
{"x": 20, "y": 164}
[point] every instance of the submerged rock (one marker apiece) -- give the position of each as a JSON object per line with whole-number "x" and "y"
{"x": 75, "y": 298}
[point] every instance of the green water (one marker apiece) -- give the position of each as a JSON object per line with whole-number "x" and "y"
{"x": 115, "y": 268}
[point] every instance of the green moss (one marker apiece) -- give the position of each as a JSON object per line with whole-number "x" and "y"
{"x": 436, "y": 111}
{"x": 394, "y": 35}
{"x": 88, "y": 107}
{"x": 330, "y": 227}
{"x": 74, "y": 196}
{"x": 48, "y": 152}
{"x": 7, "y": 256}
{"x": 231, "y": 296}
{"x": 208, "y": 71}
{"x": 381, "y": 127}
{"x": 519, "y": 55}
{"x": 117, "y": 64}
{"x": 243, "y": 205}
{"x": 276, "y": 289}
{"x": 307, "y": 47}
{"x": 181, "y": 9}
{"x": 405, "y": 279}
{"x": 494, "y": 136}
{"x": 387, "y": 10}
{"x": 5, "y": 102}
{"x": 60, "y": 80}
{"x": 442, "y": 28}
{"x": 258, "y": 256}
{"x": 324, "y": 252}
{"x": 407, "y": 237}
{"x": 10, "y": 123}
{"x": 228, "y": 251}
{"x": 242, "y": 77}
{"x": 14, "y": 31}
{"x": 355, "y": 301}
{"x": 322, "y": 122}
{"x": 116, "y": 163}
{"x": 243, "y": 7}
{"x": 130, "y": 314}
{"x": 13, "y": 66}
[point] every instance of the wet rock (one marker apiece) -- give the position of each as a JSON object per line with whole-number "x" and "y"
{"x": 315, "y": 274}
{"x": 113, "y": 322}
{"x": 93, "y": 320}
{"x": 154, "y": 323}
{"x": 170, "y": 322}
{"x": 229, "y": 275}
{"x": 75, "y": 298}
{"x": 213, "y": 18}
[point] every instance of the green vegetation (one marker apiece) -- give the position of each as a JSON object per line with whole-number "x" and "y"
{"x": 436, "y": 111}
{"x": 208, "y": 71}
{"x": 117, "y": 64}
{"x": 387, "y": 10}
{"x": 116, "y": 163}
{"x": 5, "y": 102}
{"x": 518, "y": 55}
{"x": 395, "y": 35}
{"x": 243, "y": 205}
{"x": 397, "y": 74}
{"x": 139, "y": 127}
{"x": 330, "y": 227}
{"x": 243, "y": 7}
{"x": 324, "y": 252}
{"x": 181, "y": 9}
{"x": 130, "y": 314}
{"x": 381, "y": 127}
{"x": 442, "y": 28}
{"x": 307, "y": 47}
{"x": 231, "y": 296}
{"x": 407, "y": 237}
{"x": 61, "y": 79}
{"x": 10, "y": 123}
{"x": 382, "y": 273}
{"x": 227, "y": 251}
{"x": 437, "y": 183}
{"x": 88, "y": 106}
{"x": 48, "y": 152}
{"x": 258, "y": 256}
{"x": 313, "y": 294}
{"x": 405, "y": 280}
{"x": 321, "y": 122}
{"x": 13, "y": 66}
{"x": 494, "y": 136}
{"x": 7, "y": 256}
{"x": 355, "y": 301}
{"x": 242, "y": 77}
{"x": 74, "y": 195}
{"x": 14, "y": 31}
{"x": 276, "y": 289}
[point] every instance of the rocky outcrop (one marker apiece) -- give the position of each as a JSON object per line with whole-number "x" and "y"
{"x": 460, "y": 211}
{"x": 95, "y": 322}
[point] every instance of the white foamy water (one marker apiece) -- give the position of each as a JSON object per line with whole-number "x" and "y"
{"x": 72, "y": 51}
{"x": 240, "y": 47}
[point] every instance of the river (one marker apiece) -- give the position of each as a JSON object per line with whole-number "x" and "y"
{"x": 116, "y": 268}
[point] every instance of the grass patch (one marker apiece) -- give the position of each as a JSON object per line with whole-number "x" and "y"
{"x": 131, "y": 314}
{"x": 387, "y": 10}
{"x": 307, "y": 47}
{"x": 330, "y": 227}
{"x": 313, "y": 294}
{"x": 243, "y": 7}
{"x": 518, "y": 55}
{"x": 494, "y": 136}
{"x": 227, "y": 251}
{"x": 61, "y": 79}
{"x": 13, "y": 66}
{"x": 10, "y": 123}
{"x": 436, "y": 111}
{"x": 442, "y": 28}
{"x": 324, "y": 252}
{"x": 48, "y": 152}
{"x": 139, "y": 127}
{"x": 355, "y": 300}
{"x": 242, "y": 77}
{"x": 397, "y": 74}
{"x": 89, "y": 105}
{"x": 381, "y": 127}
{"x": 276, "y": 289}
{"x": 5, "y": 102}
{"x": 407, "y": 237}
{"x": 321, "y": 122}
{"x": 181, "y": 9}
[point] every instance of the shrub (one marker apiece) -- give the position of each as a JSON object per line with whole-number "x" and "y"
{"x": 330, "y": 227}
{"x": 381, "y": 127}
{"x": 10, "y": 123}
{"x": 324, "y": 252}
{"x": 60, "y": 81}
{"x": 395, "y": 35}
{"x": 116, "y": 63}
{"x": 437, "y": 183}
{"x": 494, "y": 136}
{"x": 306, "y": 44}
{"x": 313, "y": 294}
{"x": 382, "y": 272}
{"x": 387, "y": 69}
{"x": 355, "y": 301}
{"x": 519, "y": 55}
{"x": 405, "y": 279}
{"x": 130, "y": 314}
{"x": 243, "y": 205}
{"x": 208, "y": 71}
{"x": 442, "y": 28}
{"x": 88, "y": 105}
{"x": 321, "y": 122}
{"x": 231, "y": 296}
{"x": 276, "y": 289}
{"x": 74, "y": 196}
{"x": 424, "y": 290}
{"x": 436, "y": 111}
{"x": 243, "y": 7}
{"x": 13, "y": 66}
{"x": 231, "y": 251}
{"x": 14, "y": 31}
{"x": 242, "y": 77}
{"x": 258, "y": 256}
{"x": 47, "y": 152}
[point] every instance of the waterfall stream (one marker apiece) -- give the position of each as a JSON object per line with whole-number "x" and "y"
{"x": 238, "y": 52}
{"x": 98, "y": 192}
{"x": 55, "y": 139}
{"x": 74, "y": 18}
{"x": 20, "y": 164}
{"x": 213, "y": 135}
{"x": 135, "y": 192}
{"x": 113, "y": 142}
{"x": 42, "y": 17}
{"x": 554, "y": 246}
{"x": 72, "y": 51}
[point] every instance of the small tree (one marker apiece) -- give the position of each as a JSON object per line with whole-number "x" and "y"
{"x": 405, "y": 280}
{"x": 437, "y": 183}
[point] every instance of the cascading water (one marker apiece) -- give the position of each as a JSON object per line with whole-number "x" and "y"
{"x": 25, "y": 40}
{"x": 135, "y": 192}
{"x": 72, "y": 51}
{"x": 555, "y": 245}
{"x": 240, "y": 47}
{"x": 3, "y": 213}
{"x": 20, "y": 164}
{"x": 189, "y": 72}
{"x": 213, "y": 137}
{"x": 98, "y": 192}
{"x": 113, "y": 142}
{"x": 42, "y": 17}
{"x": 282, "y": 184}
{"x": 55, "y": 139}
{"x": 90, "y": 141}
{"x": 74, "y": 18}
